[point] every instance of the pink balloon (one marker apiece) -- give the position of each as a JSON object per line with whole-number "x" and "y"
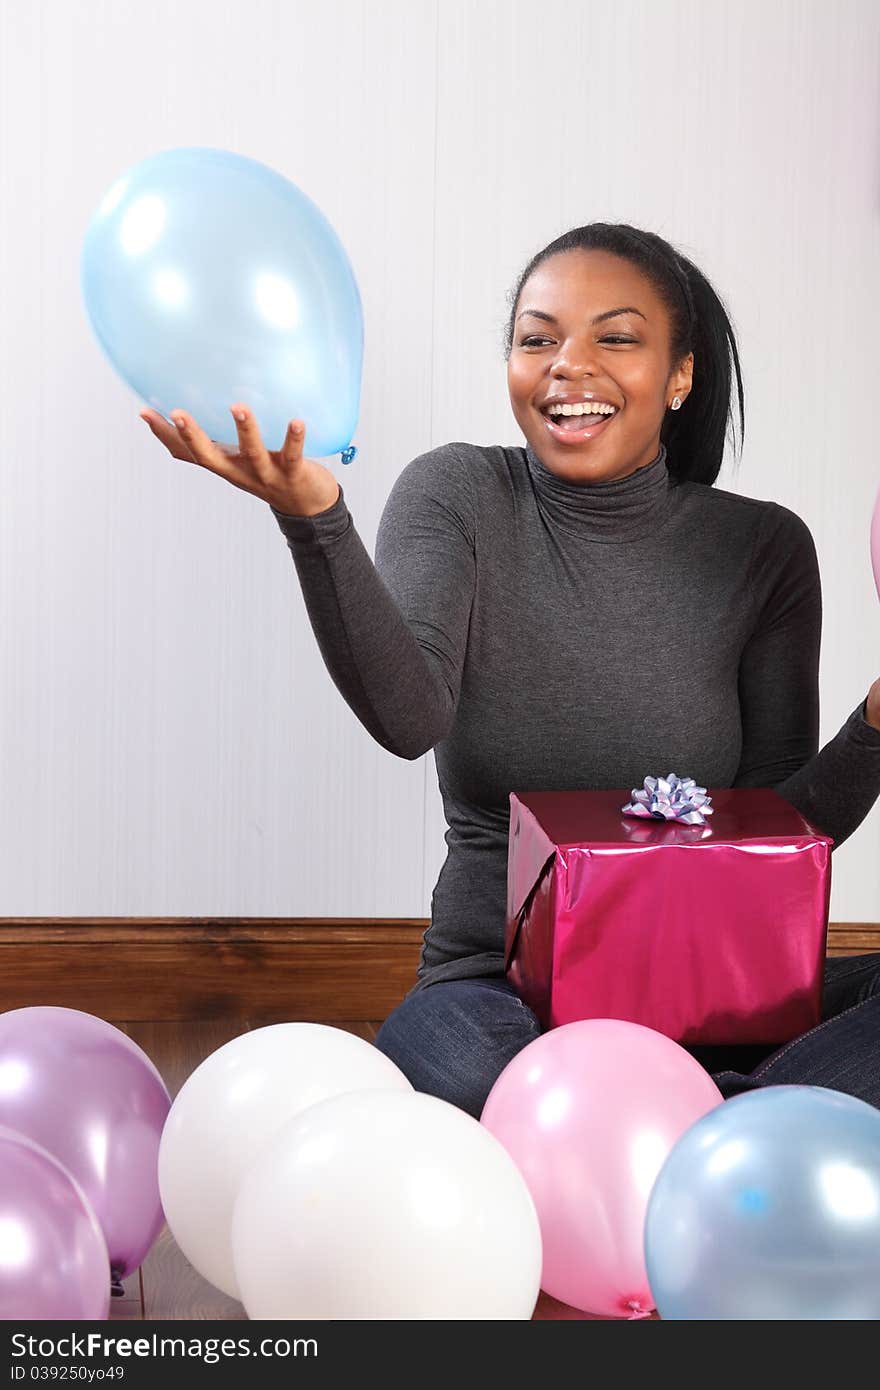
{"x": 88, "y": 1094}
{"x": 53, "y": 1256}
{"x": 875, "y": 542}
{"x": 588, "y": 1112}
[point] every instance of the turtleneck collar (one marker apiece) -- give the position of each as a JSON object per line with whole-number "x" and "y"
{"x": 624, "y": 509}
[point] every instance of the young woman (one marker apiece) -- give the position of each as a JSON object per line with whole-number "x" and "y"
{"x": 578, "y": 613}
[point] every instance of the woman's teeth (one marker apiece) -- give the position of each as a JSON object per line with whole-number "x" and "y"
{"x": 579, "y": 416}
{"x": 585, "y": 418}
{"x": 580, "y": 423}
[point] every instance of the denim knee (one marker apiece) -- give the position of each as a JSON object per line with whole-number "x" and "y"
{"x": 453, "y": 1039}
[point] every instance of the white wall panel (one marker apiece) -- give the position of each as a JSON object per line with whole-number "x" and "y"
{"x": 170, "y": 742}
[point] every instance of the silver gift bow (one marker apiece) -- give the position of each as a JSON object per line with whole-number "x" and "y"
{"x": 670, "y": 798}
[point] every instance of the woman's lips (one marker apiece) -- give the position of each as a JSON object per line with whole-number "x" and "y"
{"x": 596, "y": 425}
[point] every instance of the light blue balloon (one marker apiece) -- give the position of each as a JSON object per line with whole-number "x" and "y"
{"x": 769, "y": 1207}
{"x": 210, "y": 279}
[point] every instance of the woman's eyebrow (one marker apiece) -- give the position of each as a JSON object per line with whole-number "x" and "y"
{"x": 608, "y": 314}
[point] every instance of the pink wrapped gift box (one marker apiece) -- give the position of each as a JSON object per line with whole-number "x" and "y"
{"x": 710, "y": 933}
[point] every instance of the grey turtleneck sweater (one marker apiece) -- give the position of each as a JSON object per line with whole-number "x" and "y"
{"x": 544, "y": 635}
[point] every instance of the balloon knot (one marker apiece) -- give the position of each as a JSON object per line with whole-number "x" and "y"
{"x": 348, "y": 454}
{"x": 116, "y": 1289}
{"x": 637, "y": 1310}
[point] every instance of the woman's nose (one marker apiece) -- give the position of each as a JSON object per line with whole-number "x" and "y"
{"x": 575, "y": 360}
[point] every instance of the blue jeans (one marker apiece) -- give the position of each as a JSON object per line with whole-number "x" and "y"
{"x": 453, "y": 1039}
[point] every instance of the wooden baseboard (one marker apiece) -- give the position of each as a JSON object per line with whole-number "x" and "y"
{"x": 186, "y": 968}
{"x": 318, "y": 970}
{"x": 853, "y": 938}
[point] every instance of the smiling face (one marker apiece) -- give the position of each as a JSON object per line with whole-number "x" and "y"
{"x": 566, "y": 343}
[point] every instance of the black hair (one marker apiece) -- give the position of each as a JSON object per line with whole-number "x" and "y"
{"x": 699, "y": 323}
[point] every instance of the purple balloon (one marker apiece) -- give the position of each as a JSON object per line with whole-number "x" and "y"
{"x": 53, "y": 1256}
{"x": 93, "y": 1098}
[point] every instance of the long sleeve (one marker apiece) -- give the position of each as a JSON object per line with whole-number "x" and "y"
{"x": 393, "y": 634}
{"x": 835, "y": 787}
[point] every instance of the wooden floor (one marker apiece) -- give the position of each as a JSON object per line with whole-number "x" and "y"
{"x": 166, "y": 1285}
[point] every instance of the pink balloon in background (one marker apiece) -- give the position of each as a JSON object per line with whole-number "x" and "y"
{"x": 88, "y": 1094}
{"x": 53, "y": 1256}
{"x": 875, "y": 542}
{"x": 589, "y": 1112}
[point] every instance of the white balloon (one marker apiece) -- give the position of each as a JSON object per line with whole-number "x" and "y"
{"x": 230, "y": 1108}
{"x": 386, "y": 1205}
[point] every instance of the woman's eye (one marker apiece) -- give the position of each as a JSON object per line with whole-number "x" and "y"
{"x": 609, "y": 338}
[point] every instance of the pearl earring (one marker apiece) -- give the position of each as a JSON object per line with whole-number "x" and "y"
{"x": 676, "y": 403}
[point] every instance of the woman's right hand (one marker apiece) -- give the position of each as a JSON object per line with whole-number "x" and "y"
{"x": 292, "y": 484}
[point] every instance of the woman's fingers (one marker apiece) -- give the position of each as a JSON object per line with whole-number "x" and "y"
{"x": 261, "y": 463}
{"x": 251, "y": 447}
{"x": 194, "y": 437}
{"x": 205, "y": 452}
{"x": 167, "y": 434}
{"x": 292, "y": 448}
{"x": 252, "y": 468}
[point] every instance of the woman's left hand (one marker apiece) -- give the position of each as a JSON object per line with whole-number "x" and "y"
{"x": 872, "y": 708}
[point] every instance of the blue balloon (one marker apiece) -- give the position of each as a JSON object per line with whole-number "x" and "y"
{"x": 769, "y": 1207}
{"x": 210, "y": 279}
